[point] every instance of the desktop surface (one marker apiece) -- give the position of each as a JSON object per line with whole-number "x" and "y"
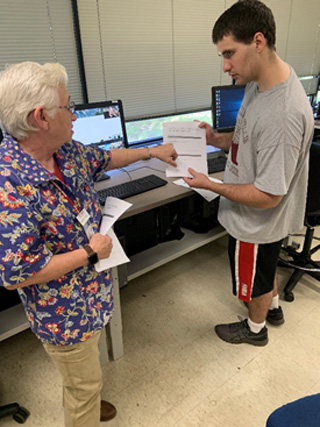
{"x": 153, "y": 198}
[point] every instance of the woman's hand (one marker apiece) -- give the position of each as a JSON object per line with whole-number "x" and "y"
{"x": 166, "y": 153}
{"x": 102, "y": 245}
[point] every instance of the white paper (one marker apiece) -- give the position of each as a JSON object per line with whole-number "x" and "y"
{"x": 117, "y": 256}
{"x": 206, "y": 194}
{"x": 190, "y": 143}
{"x": 113, "y": 209}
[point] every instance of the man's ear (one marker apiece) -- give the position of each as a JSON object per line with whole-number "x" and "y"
{"x": 39, "y": 118}
{"x": 259, "y": 41}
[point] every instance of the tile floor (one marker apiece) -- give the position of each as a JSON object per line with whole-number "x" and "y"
{"x": 175, "y": 371}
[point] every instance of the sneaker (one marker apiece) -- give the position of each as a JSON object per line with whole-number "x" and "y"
{"x": 239, "y": 332}
{"x": 275, "y": 316}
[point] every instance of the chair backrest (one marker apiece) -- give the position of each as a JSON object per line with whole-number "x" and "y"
{"x": 313, "y": 194}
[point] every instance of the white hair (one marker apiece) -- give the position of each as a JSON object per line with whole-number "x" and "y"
{"x": 24, "y": 87}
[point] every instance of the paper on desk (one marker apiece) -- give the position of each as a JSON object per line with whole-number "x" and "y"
{"x": 190, "y": 143}
{"x": 113, "y": 209}
{"x": 206, "y": 194}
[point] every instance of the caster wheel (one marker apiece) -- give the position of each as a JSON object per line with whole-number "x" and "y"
{"x": 21, "y": 416}
{"x": 288, "y": 296}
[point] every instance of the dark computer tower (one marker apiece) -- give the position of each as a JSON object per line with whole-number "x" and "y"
{"x": 8, "y": 298}
{"x": 138, "y": 232}
{"x": 168, "y": 222}
{"x": 199, "y": 215}
{"x": 146, "y": 230}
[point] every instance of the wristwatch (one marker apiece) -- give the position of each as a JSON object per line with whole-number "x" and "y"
{"x": 92, "y": 256}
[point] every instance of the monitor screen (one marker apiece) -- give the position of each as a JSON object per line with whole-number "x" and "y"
{"x": 310, "y": 84}
{"x": 226, "y": 102}
{"x": 101, "y": 124}
{"x": 148, "y": 131}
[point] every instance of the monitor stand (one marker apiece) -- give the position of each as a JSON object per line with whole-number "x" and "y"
{"x": 104, "y": 177}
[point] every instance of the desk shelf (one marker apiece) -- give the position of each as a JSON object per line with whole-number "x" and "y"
{"x": 12, "y": 321}
{"x": 150, "y": 259}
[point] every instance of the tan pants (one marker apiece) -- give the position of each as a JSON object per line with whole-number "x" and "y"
{"x": 79, "y": 365}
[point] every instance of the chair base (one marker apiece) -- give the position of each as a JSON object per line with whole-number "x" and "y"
{"x": 18, "y": 413}
{"x": 302, "y": 263}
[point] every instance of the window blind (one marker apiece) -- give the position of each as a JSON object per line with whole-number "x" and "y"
{"x": 298, "y": 33}
{"x": 40, "y": 31}
{"x": 155, "y": 55}
{"x": 158, "y": 57}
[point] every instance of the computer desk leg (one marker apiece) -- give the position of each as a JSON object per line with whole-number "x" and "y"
{"x": 114, "y": 327}
{"x": 103, "y": 348}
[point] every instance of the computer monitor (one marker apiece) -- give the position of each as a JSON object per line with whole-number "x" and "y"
{"x": 148, "y": 131}
{"x": 310, "y": 84}
{"x": 226, "y": 102}
{"x": 101, "y": 124}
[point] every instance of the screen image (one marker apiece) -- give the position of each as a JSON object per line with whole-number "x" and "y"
{"x": 149, "y": 130}
{"x": 100, "y": 124}
{"x": 226, "y": 102}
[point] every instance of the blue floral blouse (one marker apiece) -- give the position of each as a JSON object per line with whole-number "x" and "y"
{"x": 38, "y": 219}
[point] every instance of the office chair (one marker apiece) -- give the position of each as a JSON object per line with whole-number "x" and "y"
{"x": 290, "y": 256}
{"x": 19, "y": 413}
{"x": 302, "y": 412}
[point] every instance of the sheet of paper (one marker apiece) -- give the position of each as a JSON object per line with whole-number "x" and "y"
{"x": 113, "y": 209}
{"x": 117, "y": 256}
{"x": 206, "y": 194}
{"x": 190, "y": 143}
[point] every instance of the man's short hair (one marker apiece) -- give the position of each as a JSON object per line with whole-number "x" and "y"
{"x": 243, "y": 20}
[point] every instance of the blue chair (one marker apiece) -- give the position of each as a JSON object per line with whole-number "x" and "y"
{"x": 304, "y": 412}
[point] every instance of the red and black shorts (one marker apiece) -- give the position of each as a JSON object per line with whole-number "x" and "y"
{"x": 253, "y": 267}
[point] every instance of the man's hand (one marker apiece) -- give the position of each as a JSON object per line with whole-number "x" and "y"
{"x": 198, "y": 180}
{"x": 166, "y": 153}
{"x": 209, "y": 132}
{"x": 219, "y": 140}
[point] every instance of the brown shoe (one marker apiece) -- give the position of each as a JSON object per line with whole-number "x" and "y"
{"x": 107, "y": 411}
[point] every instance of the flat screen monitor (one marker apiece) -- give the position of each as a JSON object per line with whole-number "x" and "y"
{"x": 310, "y": 84}
{"x": 226, "y": 102}
{"x": 148, "y": 131}
{"x": 101, "y": 124}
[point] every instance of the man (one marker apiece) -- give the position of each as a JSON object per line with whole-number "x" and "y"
{"x": 49, "y": 228}
{"x": 264, "y": 190}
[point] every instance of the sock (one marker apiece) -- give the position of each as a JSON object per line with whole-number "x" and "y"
{"x": 274, "y": 302}
{"x": 255, "y": 327}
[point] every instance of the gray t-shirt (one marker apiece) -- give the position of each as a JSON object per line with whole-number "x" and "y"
{"x": 270, "y": 149}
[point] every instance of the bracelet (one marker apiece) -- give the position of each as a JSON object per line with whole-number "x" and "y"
{"x": 149, "y": 152}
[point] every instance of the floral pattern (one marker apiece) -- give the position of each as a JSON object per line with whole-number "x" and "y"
{"x": 37, "y": 221}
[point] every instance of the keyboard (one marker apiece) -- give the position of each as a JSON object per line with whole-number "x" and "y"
{"x": 131, "y": 188}
{"x": 216, "y": 164}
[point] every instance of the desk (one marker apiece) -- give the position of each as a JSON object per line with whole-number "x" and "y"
{"x": 13, "y": 320}
{"x": 154, "y": 257}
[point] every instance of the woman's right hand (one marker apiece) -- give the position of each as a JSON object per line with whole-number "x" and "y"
{"x": 102, "y": 245}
